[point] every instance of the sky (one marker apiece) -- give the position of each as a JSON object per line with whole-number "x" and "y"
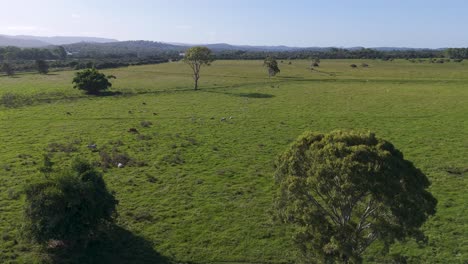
{"x": 300, "y": 23}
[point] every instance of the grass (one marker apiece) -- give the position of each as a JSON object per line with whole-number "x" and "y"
{"x": 200, "y": 189}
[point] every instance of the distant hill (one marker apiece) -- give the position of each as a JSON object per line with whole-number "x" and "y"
{"x": 22, "y": 43}
{"x": 224, "y": 46}
{"x": 59, "y": 40}
{"x": 25, "y": 41}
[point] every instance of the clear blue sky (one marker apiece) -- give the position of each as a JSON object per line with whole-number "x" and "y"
{"x": 345, "y": 23}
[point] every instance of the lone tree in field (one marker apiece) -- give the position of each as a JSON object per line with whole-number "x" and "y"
{"x": 42, "y": 66}
{"x": 315, "y": 62}
{"x": 196, "y": 57}
{"x": 69, "y": 207}
{"x": 345, "y": 190}
{"x": 92, "y": 81}
{"x": 272, "y": 66}
{"x": 7, "y": 69}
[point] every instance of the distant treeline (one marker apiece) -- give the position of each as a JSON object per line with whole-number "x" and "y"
{"x": 57, "y": 57}
{"x": 136, "y": 50}
{"x": 121, "y": 54}
{"x": 334, "y": 53}
{"x": 78, "y": 64}
{"x": 458, "y": 53}
{"x": 15, "y": 53}
{"x": 124, "y": 49}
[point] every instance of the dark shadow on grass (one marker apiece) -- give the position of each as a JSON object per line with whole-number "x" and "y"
{"x": 246, "y": 95}
{"x": 290, "y": 77}
{"x": 106, "y": 93}
{"x": 114, "y": 246}
{"x": 10, "y": 76}
{"x": 254, "y": 95}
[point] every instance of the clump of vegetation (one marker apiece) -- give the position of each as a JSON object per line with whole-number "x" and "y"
{"x": 42, "y": 66}
{"x": 112, "y": 159}
{"x": 272, "y": 66}
{"x": 146, "y": 123}
{"x": 92, "y": 81}
{"x": 345, "y": 190}
{"x": 173, "y": 159}
{"x": 8, "y": 69}
{"x": 196, "y": 57}
{"x": 353, "y": 66}
{"x": 68, "y": 208}
{"x": 62, "y": 147}
{"x": 364, "y": 65}
{"x": 12, "y": 100}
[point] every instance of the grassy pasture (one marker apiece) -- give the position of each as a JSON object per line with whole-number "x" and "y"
{"x": 201, "y": 188}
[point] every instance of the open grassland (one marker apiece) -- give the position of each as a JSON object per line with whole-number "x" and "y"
{"x": 200, "y": 189}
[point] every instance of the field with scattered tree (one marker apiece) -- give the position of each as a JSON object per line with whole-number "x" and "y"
{"x": 193, "y": 171}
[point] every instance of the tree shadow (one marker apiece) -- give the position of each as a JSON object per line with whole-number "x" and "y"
{"x": 247, "y": 95}
{"x": 116, "y": 245}
{"x": 290, "y": 77}
{"x": 254, "y": 95}
{"x": 106, "y": 93}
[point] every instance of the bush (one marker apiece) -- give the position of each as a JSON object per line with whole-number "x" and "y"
{"x": 353, "y": 66}
{"x": 42, "y": 66}
{"x": 68, "y": 207}
{"x": 146, "y": 123}
{"x": 7, "y": 69}
{"x": 12, "y": 100}
{"x": 92, "y": 81}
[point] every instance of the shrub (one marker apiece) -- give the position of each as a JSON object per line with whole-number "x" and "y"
{"x": 353, "y": 66}
{"x": 92, "y": 81}
{"x": 146, "y": 123}
{"x": 42, "y": 66}
{"x": 272, "y": 66}
{"x": 7, "y": 69}
{"x": 68, "y": 207}
{"x": 12, "y": 100}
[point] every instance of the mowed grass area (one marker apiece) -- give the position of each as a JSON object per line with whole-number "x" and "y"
{"x": 202, "y": 188}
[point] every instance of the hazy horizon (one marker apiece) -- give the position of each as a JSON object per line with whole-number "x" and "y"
{"x": 361, "y": 23}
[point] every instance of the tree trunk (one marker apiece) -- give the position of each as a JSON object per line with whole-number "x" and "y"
{"x": 196, "y": 83}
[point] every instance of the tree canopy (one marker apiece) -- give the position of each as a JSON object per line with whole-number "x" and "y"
{"x": 7, "y": 68}
{"x": 92, "y": 81}
{"x": 42, "y": 66}
{"x": 68, "y": 206}
{"x": 272, "y": 66}
{"x": 344, "y": 190}
{"x": 196, "y": 57}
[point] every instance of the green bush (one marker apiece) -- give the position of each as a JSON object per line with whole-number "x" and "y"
{"x": 7, "y": 69}
{"x": 92, "y": 81}
{"x": 68, "y": 207}
{"x": 42, "y": 66}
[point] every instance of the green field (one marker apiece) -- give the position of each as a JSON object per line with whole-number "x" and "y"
{"x": 200, "y": 189}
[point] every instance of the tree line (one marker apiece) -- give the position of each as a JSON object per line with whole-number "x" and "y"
{"x": 457, "y": 53}
{"x": 138, "y": 52}
{"x": 333, "y": 53}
